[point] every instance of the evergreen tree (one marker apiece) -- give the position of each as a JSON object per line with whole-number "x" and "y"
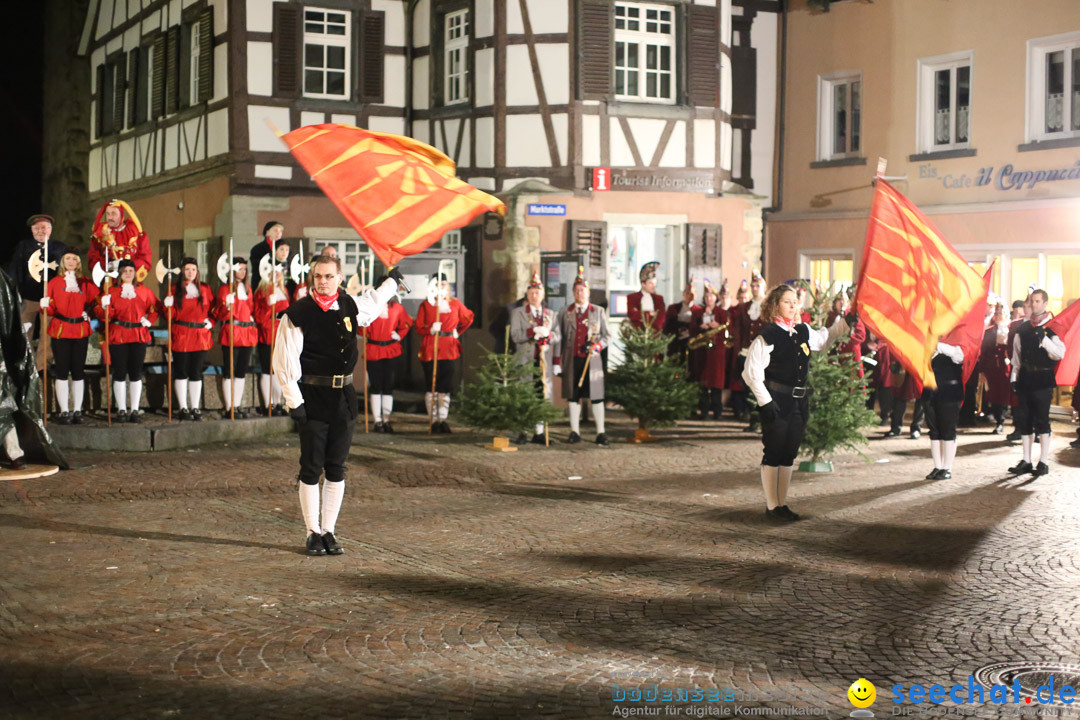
{"x": 505, "y": 398}
{"x": 651, "y": 386}
{"x": 838, "y": 410}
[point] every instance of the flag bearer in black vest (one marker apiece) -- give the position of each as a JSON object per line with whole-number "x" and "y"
{"x": 776, "y": 367}
{"x": 943, "y": 407}
{"x": 314, "y": 356}
{"x": 1035, "y": 355}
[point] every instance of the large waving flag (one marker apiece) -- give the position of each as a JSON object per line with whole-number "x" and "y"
{"x": 398, "y": 193}
{"x": 913, "y": 286}
{"x": 1067, "y": 326}
{"x": 968, "y": 334}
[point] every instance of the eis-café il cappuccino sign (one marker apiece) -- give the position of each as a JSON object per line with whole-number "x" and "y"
{"x": 1005, "y": 177}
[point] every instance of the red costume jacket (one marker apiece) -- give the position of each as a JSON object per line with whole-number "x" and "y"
{"x": 189, "y": 331}
{"x": 266, "y": 315}
{"x": 634, "y": 314}
{"x": 380, "y": 344}
{"x": 994, "y": 360}
{"x": 712, "y": 362}
{"x": 125, "y": 315}
{"x": 66, "y": 309}
{"x": 125, "y": 242}
{"x": 459, "y": 318}
{"x": 245, "y": 331}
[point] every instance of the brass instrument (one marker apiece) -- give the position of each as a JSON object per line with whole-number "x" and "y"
{"x": 706, "y": 339}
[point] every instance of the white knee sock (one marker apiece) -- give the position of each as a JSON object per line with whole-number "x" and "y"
{"x": 332, "y": 493}
{"x": 376, "y": 407}
{"x": 598, "y": 416}
{"x": 783, "y": 481}
{"x": 936, "y": 454}
{"x": 119, "y": 391}
{"x": 539, "y": 429}
{"x": 575, "y": 417}
{"x": 275, "y": 390}
{"x": 444, "y": 406}
{"x": 78, "y": 387}
{"x": 264, "y": 388}
{"x": 11, "y": 445}
{"x": 1044, "y": 448}
{"x": 1028, "y": 441}
{"x": 387, "y": 407}
{"x": 769, "y": 475}
{"x": 195, "y": 393}
{"x": 135, "y": 393}
{"x": 181, "y": 388}
{"x": 61, "y": 394}
{"x": 429, "y": 399}
{"x": 226, "y": 394}
{"x": 948, "y": 454}
{"x": 238, "y": 392}
{"x": 309, "y": 506}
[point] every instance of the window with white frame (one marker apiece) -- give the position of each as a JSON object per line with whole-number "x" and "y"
{"x": 193, "y": 62}
{"x": 645, "y": 52}
{"x": 839, "y": 115}
{"x": 944, "y": 102}
{"x": 456, "y": 57}
{"x": 826, "y": 269}
{"x": 350, "y": 252}
{"x": 1054, "y": 87}
{"x": 326, "y": 53}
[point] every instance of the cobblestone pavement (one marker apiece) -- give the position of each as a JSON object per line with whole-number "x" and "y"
{"x": 527, "y": 584}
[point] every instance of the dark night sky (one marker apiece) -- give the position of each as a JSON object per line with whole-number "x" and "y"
{"x": 20, "y": 121}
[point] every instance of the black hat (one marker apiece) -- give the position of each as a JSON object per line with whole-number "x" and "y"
{"x": 1017, "y": 304}
{"x": 441, "y": 277}
{"x": 126, "y": 263}
{"x": 39, "y": 216}
{"x": 239, "y": 260}
{"x": 267, "y": 226}
{"x": 189, "y": 261}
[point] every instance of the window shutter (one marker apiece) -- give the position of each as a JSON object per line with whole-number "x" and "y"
{"x": 743, "y": 81}
{"x": 184, "y": 62}
{"x": 206, "y": 56}
{"x": 372, "y": 25}
{"x": 288, "y": 43}
{"x": 119, "y": 90}
{"x": 172, "y": 70}
{"x": 141, "y": 85}
{"x": 157, "y": 82}
{"x": 99, "y": 108}
{"x": 703, "y": 55}
{"x": 590, "y": 237}
{"x": 595, "y": 50}
{"x": 132, "y": 86}
{"x": 705, "y": 250}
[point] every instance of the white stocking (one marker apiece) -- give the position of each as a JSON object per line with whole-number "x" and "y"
{"x": 783, "y": 481}
{"x": 444, "y": 406}
{"x": 119, "y": 388}
{"x": 195, "y": 392}
{"x": 387, "y": 407}
{"x": 768, "y": 484}
{"x": 598, "y": 416}
{"x": 949, "y": 454}
{"x": 429, "y": 400}
{"x": 264, "y": 388}
{"x": 309, "y": 506}
{"x": 1044, "y": 447}
{"x": 376, "y": 408}
{"x": 61, "y": 394}
{"x": 332, "y": 493}
{"x": 135, "y": 393}
{"x": 1028, "y": 441}
{"x": 226, "y": 394}
{"x": 936, "y": 454}
{"x": 78, "y": 387}
{"x": 181, "y": 387}
{"x": 238, "y": 392}
{"x": 575, "y": 417}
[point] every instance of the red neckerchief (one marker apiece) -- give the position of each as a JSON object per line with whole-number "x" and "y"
{"x": 325, "y": 302}
{"x": 788, "y": 325}
{"x": 1037, "y": 320}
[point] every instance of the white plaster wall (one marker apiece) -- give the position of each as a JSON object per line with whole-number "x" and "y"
{"x": 763, "y": 36}
{"x": 675, "y": 152}
{"x": 559, "y": 122}
{"x": 104, "y": 19}
{"x": 261, "y": 137}
{"x": 520, "y": 86}
{"x": 260, "y": 15}
{"x": 421, "y": 131}
{"x": 221, "y": 16}
{"x": 482, "y": 183}
{"x": 514, "y": 26}
{"x": 704, "y": 143}
{"x": 343, "y": 119}
{"x": 548, "y": 16}
{"x": 95, "y": 170}
{"x": 590, "y": 140}
{"x": 554, "y": 62}
{"x": 114, "y": 45}
{"x": 260, "y": 68}
{"x": 466, "y": 144}
{"x": 217, "y": 125}
{"x": 221, "y": 72}
{"x": 311, "y": 118}
{"x": 394, "y": 83}
{"x": 420, "y": 83}
{"x": 422, "y": 24}
{"x": 195, "y": 143}
{"x": 725, "y": 146}
{"x": 485, "y": 142}
{"x": 387, "y": 124}
{"x": 526, "y": 143}
{"x": 394, "y": 20}
{"x": 725, "y": 22}
{"x": 620, "y": 149}
{"x": 172, "y": 158}
{"x": 647, "y": 132}
{"x": 725, "y": 83}
{"x": 274, "y": 172}
{"x": 126, "y": 171}
{"x": 485, "y": 77}
{"x": 131, "y": 37}
{"x": 484, "y": 23}
{"x": 152, "y": 22}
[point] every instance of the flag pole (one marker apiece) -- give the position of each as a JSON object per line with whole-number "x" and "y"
{"x": 43, "y": 341}
{"x": 232, "y": 335}
{"x": 273, "y": 327}
{"x": 168, "y": 334}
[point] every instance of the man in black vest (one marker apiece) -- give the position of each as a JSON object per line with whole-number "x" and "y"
{"x": 314, "y": 356}
{"x": 1036, "y": 352}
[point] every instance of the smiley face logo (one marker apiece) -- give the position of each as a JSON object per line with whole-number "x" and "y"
{"x": 862, "y": 693}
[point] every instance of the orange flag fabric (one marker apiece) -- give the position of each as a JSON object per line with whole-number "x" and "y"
{"x": 913, "y": 286}
{"x": 1067, "y": 326}
{"x": 398, "y": 193}
{"x": 968, "y": 334}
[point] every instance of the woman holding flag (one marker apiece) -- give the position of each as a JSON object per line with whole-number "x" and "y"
{"x": 777, "y": 363}
{"x": 943, "y": 407}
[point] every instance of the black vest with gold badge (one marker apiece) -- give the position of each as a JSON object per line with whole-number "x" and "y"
{"x": 789, "y": 361}
{"x": 329, "y": 349}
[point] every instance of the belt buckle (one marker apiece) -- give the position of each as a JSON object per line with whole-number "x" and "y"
{"x": 337, "y": 381}
{"x": 798, "y": 392}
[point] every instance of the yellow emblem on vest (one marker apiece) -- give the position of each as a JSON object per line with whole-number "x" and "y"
{"x": 805, "y": 349}
{"x": 348, "y": 325}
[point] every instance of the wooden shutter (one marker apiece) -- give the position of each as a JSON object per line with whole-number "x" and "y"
{"x": 595, "y": 53}
{"x": 288, "y": 43}
{"x": 119, "y": 90}
{"x": 99, "y": 108}
{"x": 157, "y": 80}
{"x": 172, "y": 70}
{"x": 134, "y": 72}
{"x": 704, "y": 250}
{"x": 108, "y": 99}
{"x": 206, "y": 56}
{"x": 184, "y": 63}
{"x": 703, "y": 55}
{"x": 743, "y": 81}
{"x": 141, "y": 85}
{"x": 370, "y": 84}
{"x": 590, "y": 237}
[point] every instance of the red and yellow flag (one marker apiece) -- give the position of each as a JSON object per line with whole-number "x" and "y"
{"x": 913, "y": 286}
{"x": 398, "y": 193}
{"x": 1067, "y": 326}
{"x": 968, "y": 334}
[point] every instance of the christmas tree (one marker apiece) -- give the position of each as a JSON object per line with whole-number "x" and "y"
{"x": 838, "y": 404}
{"x": 651, "y": 386}
{"x": 505, "y": 398}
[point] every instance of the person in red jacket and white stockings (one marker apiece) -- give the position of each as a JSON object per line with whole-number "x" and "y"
{"x": 271, "y": 299}
{"x": 384, "y": 337}
{"x": 132, "y": 310}
{"x": 241, "y": 335}
{"x": 68, "y": 301}
{"x": 189, "y": 306}
{"x": 446, "y": 317}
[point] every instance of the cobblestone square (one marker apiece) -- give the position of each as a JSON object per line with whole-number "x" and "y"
{"x": 540, "y": 583}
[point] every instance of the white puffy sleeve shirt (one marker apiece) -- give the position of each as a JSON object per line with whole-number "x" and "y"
{"x": 759, "y": 353}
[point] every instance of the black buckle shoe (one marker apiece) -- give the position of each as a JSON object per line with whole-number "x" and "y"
{"x": 331, "y": 544}
{"x": 601, "y": 439}
{"x": 184, "y": 414}
{"x": 64, "y": 418}
{"x": 120, "y": 416}
{"x": 944, "y": 475}
{"x": 388, "y": 428}
{"x": 315, "y": 544}
{"x": 196, "y": 415}
{"x": 1021, "y": 467}
{"x": 538, "y": 439}
{"x": 521, "y": 439}
{"x": 1041, "y": 469}
{"x": 135, "y": 416}
{"x": 574, "y": 438}
{"x": 444, "y": 428}
{"x": 76, "y": 417}
{"x": 788, "y": 513}
{"x": 378, "y": 428}
{"x": 999, "y": 429}
{"x": 915, "y": 434}
{"x": 934, "y": 474}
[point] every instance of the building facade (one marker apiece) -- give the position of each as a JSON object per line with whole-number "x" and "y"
{"x": 619, "y": 132}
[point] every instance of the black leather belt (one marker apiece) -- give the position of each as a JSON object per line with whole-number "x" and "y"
{"x": 192, "y": 325}
{"x": 382, "y": 342}
{"x": 65, "y": 318}
{"x": 443, "y": 334}
{"x": 241, "y": 323}
{"x": 334, "y": 381}
{"x": 795, "y": 392}
{"x": 125, "y": 324}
